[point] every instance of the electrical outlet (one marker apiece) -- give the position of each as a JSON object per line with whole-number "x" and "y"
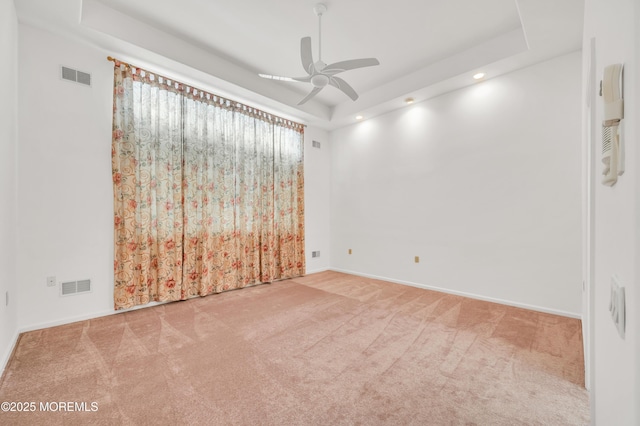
{"x": 416, "y": 259}
{"x": 349, "y": 251}
{"x": 51, "y": 281}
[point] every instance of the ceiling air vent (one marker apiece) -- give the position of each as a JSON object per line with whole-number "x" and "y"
{"x": 75, "y": 287}
{"x": 75, "y": 76}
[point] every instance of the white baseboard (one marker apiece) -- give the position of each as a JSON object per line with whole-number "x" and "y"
{"x": 315, "y": 271}
{"x": 69, "y": 320}
{"x": 7, "y": 355}
{"x": 465, "y": 294}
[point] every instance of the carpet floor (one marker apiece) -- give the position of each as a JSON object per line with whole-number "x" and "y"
{"x": 325, "y": 349}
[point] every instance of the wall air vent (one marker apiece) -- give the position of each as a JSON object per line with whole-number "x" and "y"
{"x": 315, "y": 254}
{"x": 315, "y": 144}
{"x": 75, "y": 76}
{"x": 75, "y": 287}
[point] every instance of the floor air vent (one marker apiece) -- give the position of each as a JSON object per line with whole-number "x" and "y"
{"x": 75, "y": 76}
{"x": 75, "y": 287}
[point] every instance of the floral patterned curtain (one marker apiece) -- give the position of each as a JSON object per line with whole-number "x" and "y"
{"x": 208, "y": 196}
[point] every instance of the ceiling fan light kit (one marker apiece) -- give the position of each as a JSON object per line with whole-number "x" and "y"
{"x": 319, "y": 80}
{"x": 319, "y": 73}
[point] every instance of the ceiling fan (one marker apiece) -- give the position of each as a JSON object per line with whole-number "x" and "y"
{"x": 319, "y": 73}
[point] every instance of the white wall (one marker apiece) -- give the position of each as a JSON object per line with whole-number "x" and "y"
{"x": 65, "y": 201}
{"x": 317, "y": 184}
{"x": 616, "y": 377}
{"x": 8, "y": 142}
{"x": 65, "y": 197}
{"x": 482, "y": 183}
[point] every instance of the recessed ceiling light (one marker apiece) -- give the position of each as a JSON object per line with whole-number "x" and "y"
{"x": 359, "y": 117}
{"x": 409, "y": 101}
{"x": 479, "y": 76}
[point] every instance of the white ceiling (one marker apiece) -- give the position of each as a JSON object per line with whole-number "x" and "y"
{"x": 425, "y": 47}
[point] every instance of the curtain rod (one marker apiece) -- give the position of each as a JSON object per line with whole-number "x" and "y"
{"x": 264, "y": 114}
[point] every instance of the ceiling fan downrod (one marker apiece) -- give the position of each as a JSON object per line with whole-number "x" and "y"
{"x": 319, "y": 9}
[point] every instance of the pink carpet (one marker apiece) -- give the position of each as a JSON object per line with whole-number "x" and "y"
{"x": 326, "y": 349}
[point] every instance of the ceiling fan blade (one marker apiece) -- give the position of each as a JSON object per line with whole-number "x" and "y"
{"x": 275, "y": 77}
{"x": 305, "y": 79}
{"x": 339, "y": 83}
{"x": 306, "y": 55}
{"x": 310, "y": 95}
{"x": 351, "y": 64}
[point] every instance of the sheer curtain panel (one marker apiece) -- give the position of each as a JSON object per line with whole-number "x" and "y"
{"x": 208, "y": 193}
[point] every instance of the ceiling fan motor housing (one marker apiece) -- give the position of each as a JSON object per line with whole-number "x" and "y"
{"x": 319, "y": 80}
